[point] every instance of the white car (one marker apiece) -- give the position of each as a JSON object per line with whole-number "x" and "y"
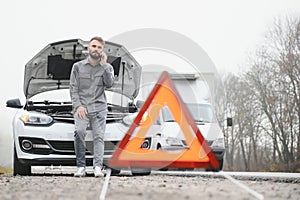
{"x": 206, "y": 122}
{"x": 167, "y": 134}
{"x": 43, "y": 127}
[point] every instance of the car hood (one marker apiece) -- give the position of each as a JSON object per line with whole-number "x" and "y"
{"x": 50, "y": 69}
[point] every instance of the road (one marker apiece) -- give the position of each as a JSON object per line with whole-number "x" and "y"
{"x": 58, "y": 184}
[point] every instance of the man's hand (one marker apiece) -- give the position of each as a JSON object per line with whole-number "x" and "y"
{"x": 103, "y": 58}
{"x": 81, "y": 112}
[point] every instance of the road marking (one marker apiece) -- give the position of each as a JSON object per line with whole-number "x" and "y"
{"x": 105, "y": 185}
{"x": 249, "y": 190}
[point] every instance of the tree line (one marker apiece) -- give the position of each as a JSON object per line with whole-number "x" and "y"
{"x": 264, "y": 103}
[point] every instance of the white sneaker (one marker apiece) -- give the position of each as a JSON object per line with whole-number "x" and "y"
{"x": 98, "y": 172}
{"x": 80, "y": 172}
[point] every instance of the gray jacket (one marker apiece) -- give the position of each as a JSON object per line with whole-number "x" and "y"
{"x": 87, "y": 84}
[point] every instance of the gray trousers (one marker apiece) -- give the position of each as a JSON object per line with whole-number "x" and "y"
{"x": 98, "y": 123}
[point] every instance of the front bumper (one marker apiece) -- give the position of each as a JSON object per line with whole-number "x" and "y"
{"x": 39, "y": 152}
{"x": 47, "y": 161}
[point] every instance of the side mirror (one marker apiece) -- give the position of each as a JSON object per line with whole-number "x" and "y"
{"x": 14, "y": 103}
{"x": 229, "y": 121}
{"x": 132, "y": 108}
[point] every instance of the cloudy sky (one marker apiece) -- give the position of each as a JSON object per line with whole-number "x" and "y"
{"x": 226, "y": 30}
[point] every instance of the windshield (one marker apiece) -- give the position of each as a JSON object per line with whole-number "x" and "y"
{"x": 200, "y": 112}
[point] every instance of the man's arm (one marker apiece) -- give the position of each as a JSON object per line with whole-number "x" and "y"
{"x": 108, "y": 75}
{"x": 74, "y": 79}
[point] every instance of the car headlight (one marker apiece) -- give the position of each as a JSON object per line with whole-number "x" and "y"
{"x": 35, "y": 119}
{"x": 219, "y": 142}
{"x": 129, "y": 119}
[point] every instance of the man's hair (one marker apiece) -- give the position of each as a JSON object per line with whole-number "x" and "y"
{"x": 99, "y": 39}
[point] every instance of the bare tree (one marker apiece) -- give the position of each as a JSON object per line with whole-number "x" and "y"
{"x": 265, "y": 104}
{"x": 230, "y": 136}
{"x": 274, "y": 77}
{"x": 285, "y": 57}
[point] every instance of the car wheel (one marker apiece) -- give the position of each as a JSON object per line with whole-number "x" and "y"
{"x": 20, "y": 168}
{"x": 185, "y": 169}
{"x": 140, "y": 171}
{"x": 217, "y": 169}
{"x": 164, "y": 168}
{"x": 221, "y": 164}
{"x": 115, "y": 171}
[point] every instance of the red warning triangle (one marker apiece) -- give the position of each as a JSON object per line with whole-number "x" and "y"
{"x": 129, "y": 152}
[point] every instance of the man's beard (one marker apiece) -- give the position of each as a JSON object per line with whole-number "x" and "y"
{"x": 95, "y": 55}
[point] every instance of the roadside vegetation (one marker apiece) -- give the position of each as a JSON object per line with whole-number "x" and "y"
{"x": 264, "y": 102}
{"x": 6, "y": 170}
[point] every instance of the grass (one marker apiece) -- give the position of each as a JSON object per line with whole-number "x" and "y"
{"x": 6, "y": 170}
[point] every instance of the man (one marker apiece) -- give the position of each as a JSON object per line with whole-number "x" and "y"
{"x": 88, "y": 80}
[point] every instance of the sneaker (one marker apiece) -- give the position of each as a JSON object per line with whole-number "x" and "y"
{"x": 98, "y": 172}
{"x": 80, "y": 172}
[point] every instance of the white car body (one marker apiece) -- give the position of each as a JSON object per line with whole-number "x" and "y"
{"x": 194, "y": 90}
{"x": 173, "y": 138}
{"x": 167, "y": 135}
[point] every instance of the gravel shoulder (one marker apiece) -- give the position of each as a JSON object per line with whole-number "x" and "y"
{"x": 154, "y": 186}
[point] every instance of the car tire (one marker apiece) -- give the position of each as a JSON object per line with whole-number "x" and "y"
{"x": 20, "y": 168}
{"x": 140, "y": 171}
{"x": 164, "y": 168}
{"x": 115, "y": 171}
{"x": 217, "y": 169}
{"x": 185, "y": 169}
{"x": 221, "y": 164}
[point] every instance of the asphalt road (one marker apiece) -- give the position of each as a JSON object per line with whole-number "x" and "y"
{"x": 60, "y": 184}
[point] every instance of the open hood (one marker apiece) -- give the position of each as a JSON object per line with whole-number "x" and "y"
{"x": 50, "y": 69}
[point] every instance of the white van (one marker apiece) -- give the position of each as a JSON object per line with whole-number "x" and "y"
{"x": 195, "y": 93}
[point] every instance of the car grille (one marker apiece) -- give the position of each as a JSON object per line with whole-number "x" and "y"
{"x": 209, "y": 142}
{"x": 40, "y": 146}
{"x": 110, "y": 118}
{"x": 68, "y": 147}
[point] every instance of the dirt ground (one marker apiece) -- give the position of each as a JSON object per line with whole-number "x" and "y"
{"x": 155, "y": 186}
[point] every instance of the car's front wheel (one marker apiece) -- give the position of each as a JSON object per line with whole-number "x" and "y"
{"x": 140, "y": 171}
{"x": 219, "y": 168}
{"x": 20, "y": 168}
{"x": 115, "y": 171}
{"x": 164, "y": 168}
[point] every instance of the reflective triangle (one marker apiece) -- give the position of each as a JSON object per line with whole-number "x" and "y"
{"x": 129, "y": 152}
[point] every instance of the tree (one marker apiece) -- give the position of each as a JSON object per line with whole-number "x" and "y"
{"x": 265, "y": 104}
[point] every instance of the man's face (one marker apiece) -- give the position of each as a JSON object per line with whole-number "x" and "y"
{"x": 95, "y": 49}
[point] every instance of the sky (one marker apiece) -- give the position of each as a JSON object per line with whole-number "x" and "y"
{"x": 226, "y": 30}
